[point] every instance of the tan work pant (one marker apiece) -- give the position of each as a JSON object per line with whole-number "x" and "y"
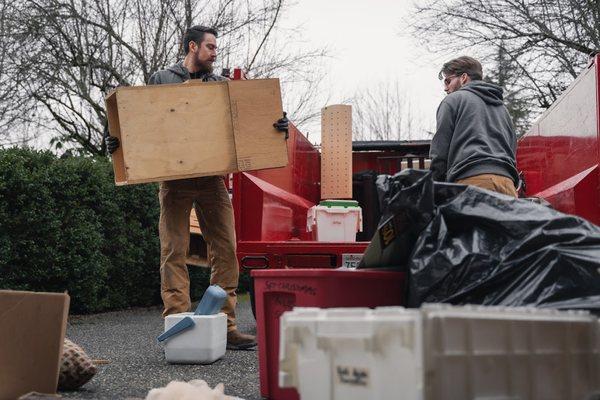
{"x": 496, "y": 183}
{"x": 215, "y": 215}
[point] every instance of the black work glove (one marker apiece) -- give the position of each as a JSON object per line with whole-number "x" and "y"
{"x": 282, "y": 125}
{"x": 112, "y": 143}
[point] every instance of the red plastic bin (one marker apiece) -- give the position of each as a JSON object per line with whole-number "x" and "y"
{"x": 279, "y": 290}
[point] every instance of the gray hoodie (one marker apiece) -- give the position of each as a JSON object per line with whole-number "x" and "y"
{"x": 177, "y": 73}
{"x": 474, "y": 135}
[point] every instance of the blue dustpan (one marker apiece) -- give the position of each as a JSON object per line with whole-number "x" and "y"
{"x": 212, "y": 301}
{"x": 179, "y": 327}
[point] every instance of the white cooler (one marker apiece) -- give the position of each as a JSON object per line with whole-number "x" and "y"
{"x": 203, "y": 343}
{"x": 335, "y": 220}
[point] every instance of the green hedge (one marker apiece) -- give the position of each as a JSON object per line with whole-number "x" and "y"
{"x": 64, "y": 225}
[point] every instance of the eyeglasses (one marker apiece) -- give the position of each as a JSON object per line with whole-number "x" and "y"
{"x": 448, "y": 79}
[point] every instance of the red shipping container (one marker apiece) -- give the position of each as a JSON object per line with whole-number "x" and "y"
{"x": 280, "y": 290}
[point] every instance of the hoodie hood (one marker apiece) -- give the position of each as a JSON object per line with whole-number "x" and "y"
{"x": 490, "y": 93}
{"x": 179, "y": 70}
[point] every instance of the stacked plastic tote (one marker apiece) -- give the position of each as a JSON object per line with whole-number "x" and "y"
{"x": 440, "y": 352}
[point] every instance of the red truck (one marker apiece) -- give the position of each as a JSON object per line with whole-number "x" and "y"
{"x": 558, "y": 159}
{"x": 271, "y": 206}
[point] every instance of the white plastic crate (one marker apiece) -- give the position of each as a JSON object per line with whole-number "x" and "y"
{"x": 476, "y": 352}
{"x": 351, "y": 353}
{"x": 203, "y": 343}
{"x": 335, "y": 220}
{"x": 299, "y": 355}
{"x": 440, "y": 352}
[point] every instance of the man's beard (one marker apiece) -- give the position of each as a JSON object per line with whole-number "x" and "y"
{"x": 204, "y": 67}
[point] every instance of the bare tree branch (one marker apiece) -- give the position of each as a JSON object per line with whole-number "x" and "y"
{"x": 77, "y": 51}
{"x": 547, "y": 41}
{"x": 384, "y": 112}
{"x": 266, "y": 36}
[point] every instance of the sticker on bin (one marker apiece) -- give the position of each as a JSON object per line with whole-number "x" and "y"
{"x": 354, "y": 376}
{"x": 351, "y": 260}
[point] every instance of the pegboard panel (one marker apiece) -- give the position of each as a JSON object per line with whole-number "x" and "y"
{"x": 336, "y": 152}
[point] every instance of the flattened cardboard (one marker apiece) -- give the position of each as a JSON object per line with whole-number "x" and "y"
{"x": 195, "y": 129}
{"x": 32, "y": 332}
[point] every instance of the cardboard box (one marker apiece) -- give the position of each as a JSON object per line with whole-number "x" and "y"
{"x": 32, "y": 328}
{"x": 195, "y": 129}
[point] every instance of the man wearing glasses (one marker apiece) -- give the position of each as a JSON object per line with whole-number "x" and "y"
{"x": 475, "y": 142}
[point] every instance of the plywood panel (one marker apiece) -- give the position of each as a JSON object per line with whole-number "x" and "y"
{"x": 336, "y": 152}
{"x": 115, "y": 130}
{"x": 188, "y": 130}
{"x": 184, "y": 131}
{"x": 255, "y": 106}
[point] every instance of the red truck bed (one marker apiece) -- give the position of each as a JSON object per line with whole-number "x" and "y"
{"x": 271, "y": 205}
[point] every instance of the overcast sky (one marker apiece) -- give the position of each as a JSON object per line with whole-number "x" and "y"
{"x": 367, "y": 48}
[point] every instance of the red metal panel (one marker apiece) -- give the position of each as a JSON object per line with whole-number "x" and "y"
{"x": 276, "y": 254}
{"x": 577, "y": 195}
{"x": 386, "y": 162}
{"x": 269, "y": 213}
{"x": 562, "y": 148}
{"x": 271, "y": 204}
{"x": 302, "y": 175}
{"x": 310, "y": 260}
{"x": 564, "y": 140}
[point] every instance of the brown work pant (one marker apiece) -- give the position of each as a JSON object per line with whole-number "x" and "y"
{"x": 215, "y": 215}
{"x": 496, "y": 183}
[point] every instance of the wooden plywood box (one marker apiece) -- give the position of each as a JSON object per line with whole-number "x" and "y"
{"x": 195, "y": 129}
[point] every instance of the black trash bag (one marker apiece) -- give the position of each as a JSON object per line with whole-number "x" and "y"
{"x": 406, "y": 201}
{"x": 364, "y": 190}
{"x": 481, "y": 247}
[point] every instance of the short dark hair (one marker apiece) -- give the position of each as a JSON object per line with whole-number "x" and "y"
{"x": 195, "y": 34}
{"x": 462, "y": 65}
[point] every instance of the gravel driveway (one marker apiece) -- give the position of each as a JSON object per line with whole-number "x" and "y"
{"x": 127, "y": 339}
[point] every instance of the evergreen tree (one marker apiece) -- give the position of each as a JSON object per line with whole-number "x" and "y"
{"x": 504, "y": 73}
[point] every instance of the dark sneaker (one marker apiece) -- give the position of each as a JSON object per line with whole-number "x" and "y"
{"x": 240, "y": 341}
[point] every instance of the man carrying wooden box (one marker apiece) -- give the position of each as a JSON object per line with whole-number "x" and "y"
{"x": 207, "y": 194}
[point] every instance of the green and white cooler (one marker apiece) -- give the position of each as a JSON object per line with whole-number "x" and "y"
{"x": 335, "y": 220}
